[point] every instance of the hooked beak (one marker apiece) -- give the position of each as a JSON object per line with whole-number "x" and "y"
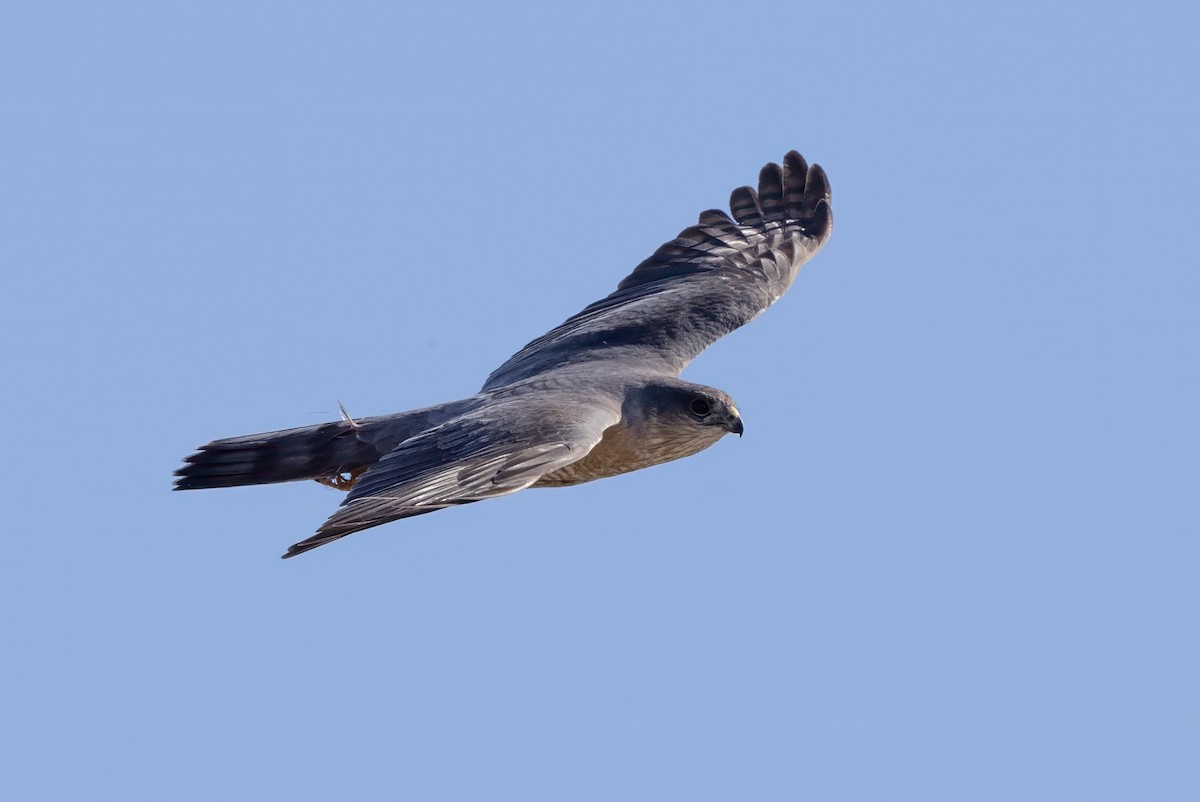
{"x": 735, "y": 426}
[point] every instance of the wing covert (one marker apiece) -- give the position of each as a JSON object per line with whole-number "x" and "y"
{"x": 490, "y": 452}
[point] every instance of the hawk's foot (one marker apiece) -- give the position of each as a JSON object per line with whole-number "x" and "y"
{"x": 342, "y": 481}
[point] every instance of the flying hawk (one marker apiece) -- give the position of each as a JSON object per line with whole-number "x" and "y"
{"x": 597, "y": 396}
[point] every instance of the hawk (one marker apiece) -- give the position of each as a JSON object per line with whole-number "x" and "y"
{"x": 598, "y": 396}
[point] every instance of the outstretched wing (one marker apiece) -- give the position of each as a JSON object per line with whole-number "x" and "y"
{"x": 499, "y": 449}
{"x": 714, "y": 277}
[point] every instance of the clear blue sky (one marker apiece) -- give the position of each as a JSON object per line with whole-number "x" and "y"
{"x": 954, "y": 557}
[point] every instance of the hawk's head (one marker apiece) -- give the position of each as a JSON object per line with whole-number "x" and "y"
{"x": 672, "y": 418}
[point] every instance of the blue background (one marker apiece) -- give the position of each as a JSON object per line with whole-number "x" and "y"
{"x": 954, "y": 557}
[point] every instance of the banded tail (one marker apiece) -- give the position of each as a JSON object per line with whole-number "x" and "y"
{"x": 321, "y": 452}
{"x": 310, "y": 452}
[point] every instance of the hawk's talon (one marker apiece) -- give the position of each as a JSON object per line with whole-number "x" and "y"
{"x": 343, "y": 480}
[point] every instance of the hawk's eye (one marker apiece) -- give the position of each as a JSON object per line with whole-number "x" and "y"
{"x": 700, "y": 407}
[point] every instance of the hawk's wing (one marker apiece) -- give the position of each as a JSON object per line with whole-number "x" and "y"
{"x": 714, "y": 277}
{"x": 498, "y": 449}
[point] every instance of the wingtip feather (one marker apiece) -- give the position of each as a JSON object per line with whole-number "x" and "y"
{"x": 743, "y": 202}
{"x": 770, "y": 192}
{"x": 817, "y": 186}
{"x": 821, "y": 220}
{"x": 795, "y": 179}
